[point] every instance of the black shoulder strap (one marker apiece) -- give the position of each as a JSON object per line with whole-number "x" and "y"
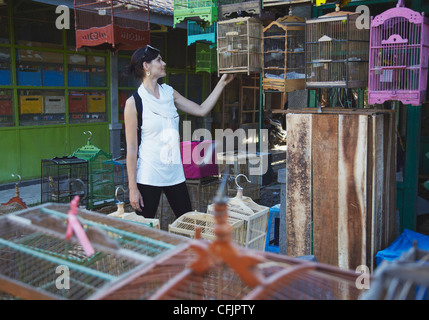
{"x": 139, "y": 107}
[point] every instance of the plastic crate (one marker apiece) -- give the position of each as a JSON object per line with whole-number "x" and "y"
{"x": 5, "y": 78}
{"x": 96, "y": 103}
{"x": 30, "y": 104}
{"x": 186, "y": 224}
{"x": 6, "y": 108}
{"x": 77, "y": 102}
{"x": 77, "y": 79}
{"x": 29, "y": 78}
{"x": 53, "y": 78}
{"x": 97, "y": 80}
{"x": 255, "y": 219}
{"x": 55, "y": 104}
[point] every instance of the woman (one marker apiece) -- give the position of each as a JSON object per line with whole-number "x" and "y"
{"x": 156, "y": 165}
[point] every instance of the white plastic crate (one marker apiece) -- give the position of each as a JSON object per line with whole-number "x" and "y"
{"x": 254, "y": 216}
{"x": 186, "y": 224}
{"x": 55, "y": 104}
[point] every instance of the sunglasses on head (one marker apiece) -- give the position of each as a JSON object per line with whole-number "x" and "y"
{"x": 147, "y": 49}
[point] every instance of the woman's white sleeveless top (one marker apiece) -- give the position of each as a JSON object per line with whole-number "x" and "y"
{"x": 159, "y": 162}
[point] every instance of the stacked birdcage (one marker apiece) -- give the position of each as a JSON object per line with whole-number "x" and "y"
{"x": 255, "y": 219}
{"x": 201, "y": 10}
{"x": 114, "y": 24}
{"x": 35, "y": 253}
{"x": 64, "y": 178}
{"x": 399, "y": 56}
{"x": 187, "y": 224}
{"x": 100, "y": 174}
{"x": 336, "y": 51}
{"x": 239, "y": 45}
{"x": 201, "y": 32}
{"x": 230, "y": 8}
{"x": 284, "y": 59}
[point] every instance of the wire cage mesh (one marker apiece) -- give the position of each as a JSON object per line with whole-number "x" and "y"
{"x": 230, "y": 8}
{"x": 64, "y": 178}
{"x": 284, "y": 59}
{"x": 206, "y": 58}
{"x": 187, "y": 224}
{"x": 399, "y": 50}
{"x": 239, "y": 45}
{"x": 120, "y": 176}
{"x": 200, "y": 10}
{"x": 100, "y": 175}
{"x": 33, "y": 246}
{"x": 337, "y": 52}
{"x": 114, "y": 24}
{"x": 254, "y": 216}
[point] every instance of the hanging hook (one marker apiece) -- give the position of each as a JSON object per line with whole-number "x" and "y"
{"x": 236, "y": 178}
{"x": 116, "y": 192}
{"x": 19, "y": 177}
{"x": 90, "y": 135}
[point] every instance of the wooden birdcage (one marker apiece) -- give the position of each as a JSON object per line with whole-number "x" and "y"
{"x": 201, "y": 10}
{"x": 284, "y": 57}
{"x": 206, "y": 56}
{"x": 113, "y": 24}
{"x": 201, "y": 32}
{"x": 399, "y": 56}
{"x": 228, "y": 8}
{"x": 239, "y": 45}
{"x": 336, "y": 51}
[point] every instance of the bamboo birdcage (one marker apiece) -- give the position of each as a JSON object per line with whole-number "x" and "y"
{"x": 336, "y": 51}
{"x": 229, "y": 8}
{"x": 115, "y": 24}
{"x": 399, "y": 56}
{"x": 284, "y": 58}
{"x": 239, "y": 46}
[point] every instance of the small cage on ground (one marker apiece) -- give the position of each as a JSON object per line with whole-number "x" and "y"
{"x": 336, "y": 51}
{"x": 64, "y": 178}
{"x": 239, "y": 45}
{"x": 399, "y": 57}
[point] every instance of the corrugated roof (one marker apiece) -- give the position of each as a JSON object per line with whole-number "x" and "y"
{"x": 164, "y": 7}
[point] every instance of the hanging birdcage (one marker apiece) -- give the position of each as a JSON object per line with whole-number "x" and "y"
{"x": 206, "y": 56}
{"x": 200, "y": 10}
{"x": 100, "y": 174}
{"x": 284, "y": 59}
{"x": 336, "y": 51}
{"x": 228, "y": 8}
{"x": 239, "y": 45}
{"x": 63, "y": 179}
{"x": 399, "y": 56}
{"x": 201, "y": 32}
{"x": 116, "y": 24}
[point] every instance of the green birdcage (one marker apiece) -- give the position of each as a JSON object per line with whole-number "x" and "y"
{"x": 206, "y": 57}
{"x": 100, "y": 174}
{"x": 205, "y": 10}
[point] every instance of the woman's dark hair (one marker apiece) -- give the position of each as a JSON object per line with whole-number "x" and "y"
{"x": 144, "y": 54}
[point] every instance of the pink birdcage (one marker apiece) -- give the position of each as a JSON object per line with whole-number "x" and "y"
{"x": 399, "y": 50}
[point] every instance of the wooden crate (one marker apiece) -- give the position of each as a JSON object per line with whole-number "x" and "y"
{"x": 239, "y": 43}
{"x": 341, "y": 184}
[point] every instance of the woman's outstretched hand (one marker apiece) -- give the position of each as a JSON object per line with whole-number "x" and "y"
{"x": 227, "y": 78}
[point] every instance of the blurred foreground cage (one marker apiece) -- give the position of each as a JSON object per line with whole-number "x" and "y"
{"x": 399, "y": 56}
{"x": 200, "y": 10}
{"x": 100, "y": 174}
{"x": 239, "y": 45}
{"x": 336, "y": 51}
{"x": 284, "y": 59}
{"x": 229, "y": 8}
{"x": 116, "y": 24}
{"x": 64, "y": 178}
{"x": 32, "y": 246}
